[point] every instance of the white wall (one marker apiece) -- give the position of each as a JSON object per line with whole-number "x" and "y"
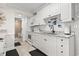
{"x": 24, "y": 28}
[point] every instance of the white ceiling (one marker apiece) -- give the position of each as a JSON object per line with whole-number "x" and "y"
{"x": 26, "y": 7}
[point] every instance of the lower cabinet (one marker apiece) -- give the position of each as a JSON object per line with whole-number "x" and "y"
{"x": 65, "y": 46}
{"x": 9, "y": 42}
{"x": 45, "y": 44}
{"x": 2, "y": 48}
{"x": 52, "y": 45}
{"x": 62, "y": 47}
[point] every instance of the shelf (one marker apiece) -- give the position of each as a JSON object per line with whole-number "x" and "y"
{"x": 36, "y": 25}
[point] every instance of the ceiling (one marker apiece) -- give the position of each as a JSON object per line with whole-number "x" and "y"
{"x": 26, "y": 7}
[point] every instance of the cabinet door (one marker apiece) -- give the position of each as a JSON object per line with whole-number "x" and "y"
{"x": 33, "y": 21}
{"x": 1, "y": 47}
{"x": 36, "y": 40}
{"x": 40, "y": 42}
{"x": 65, "y": 11}
{"x": 43, "y": 44}
{"x": 51, "y": 45}
{"x": 9, "y": 41}
{"x": 54, "y": 9}
{"x": 48, "y": 45}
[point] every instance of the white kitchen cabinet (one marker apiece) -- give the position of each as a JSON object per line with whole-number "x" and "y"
{"x": 62, "y": 47}
{"x": 36, "y": 20}
{"x": 50, "y": 10}
{"x": 53, "y": 45}
{"x": 2, "y": 47}
{"x": 66, "y": 11}
{"x": 44, "y": 43}
{"x": 32, "y": 21}
{"x": 36, "y": 41}
{"x": 9, "y": 41}
{"x": 54, "y": 9}
{"x": 50, "y": 45}
{"x": 65, "y": 46}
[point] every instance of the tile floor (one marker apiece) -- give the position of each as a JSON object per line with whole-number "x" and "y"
{"x": 24, "y": 49}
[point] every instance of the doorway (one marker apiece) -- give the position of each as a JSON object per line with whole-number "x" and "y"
{"x": 18, "y": 29}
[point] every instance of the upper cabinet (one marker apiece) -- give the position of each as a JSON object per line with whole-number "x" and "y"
{"x": 76, "y": 9}
{"x": 66, "y": 12}
{"x": 65, "y": 9}
{"x": 36, "y": 21}
{"x": 50, "y": 10}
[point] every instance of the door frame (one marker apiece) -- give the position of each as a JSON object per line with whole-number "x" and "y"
{"x": 16, "y": 18}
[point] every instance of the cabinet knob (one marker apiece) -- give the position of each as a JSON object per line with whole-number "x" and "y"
{"x": 61, "y": 45}
{"x": 61, "y": 39}
{"x": 61, "y": 51}
{"x": 45, "y": 39}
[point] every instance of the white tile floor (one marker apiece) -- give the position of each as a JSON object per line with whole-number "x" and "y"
{"x": 24, "y": 49}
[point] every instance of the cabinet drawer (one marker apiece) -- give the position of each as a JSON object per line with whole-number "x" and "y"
{"x": 60, "y": 40}
{"x": 49, "y": 45}
{"x": 62, "y": 46}
{"x": 62, "y": 52}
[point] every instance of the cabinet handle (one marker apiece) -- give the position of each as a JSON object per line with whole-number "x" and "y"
{"x": 61, "y": 51}
{"x": 45, "y": 39}
{"x": 61, "y": 45}
{"x": 61, "y": 39}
